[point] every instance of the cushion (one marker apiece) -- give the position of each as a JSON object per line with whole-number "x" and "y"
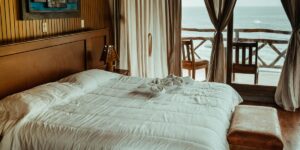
{"x": 255, "y": 127}
{"x": 91, "y": 79}
{"x": 13, "y": 108}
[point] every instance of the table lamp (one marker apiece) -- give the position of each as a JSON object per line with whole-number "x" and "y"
{"x": 110, "y": 57}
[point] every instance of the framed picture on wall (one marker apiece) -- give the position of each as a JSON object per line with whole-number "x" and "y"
{"x": 45, "y": 9}
{"x": 57, "y": 4}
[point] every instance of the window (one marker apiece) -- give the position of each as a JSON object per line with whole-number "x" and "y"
{"x": 265, "y": 22}
{"x": 197, "y": 26}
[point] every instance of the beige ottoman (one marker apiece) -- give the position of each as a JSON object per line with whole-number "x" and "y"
{"x": 255, "y": 128}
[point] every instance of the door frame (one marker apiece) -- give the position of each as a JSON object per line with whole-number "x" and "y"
{"x": 257, "y": 93}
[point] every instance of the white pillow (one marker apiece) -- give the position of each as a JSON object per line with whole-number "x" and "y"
{"x": 91, "y": 79}
{"x": 15, "y": 107}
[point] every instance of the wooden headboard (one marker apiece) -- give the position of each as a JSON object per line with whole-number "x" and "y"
{"x": 29, "y": 64}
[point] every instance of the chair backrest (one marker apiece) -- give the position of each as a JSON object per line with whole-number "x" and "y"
{"x": 188, "y": 51}
{"x": 246, "y": 53}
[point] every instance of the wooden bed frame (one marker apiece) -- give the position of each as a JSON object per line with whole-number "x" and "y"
{"x": 29, "y": 64}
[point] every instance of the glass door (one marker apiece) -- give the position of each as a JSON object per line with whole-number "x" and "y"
{"x": 264, "y": 25}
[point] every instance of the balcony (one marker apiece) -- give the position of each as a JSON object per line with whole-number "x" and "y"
{"x": 271, "y": 51}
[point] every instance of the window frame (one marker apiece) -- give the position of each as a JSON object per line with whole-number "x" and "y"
{"x": 257, "y": 93}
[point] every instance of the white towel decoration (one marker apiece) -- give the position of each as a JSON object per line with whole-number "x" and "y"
{"x": 159, "y": 86}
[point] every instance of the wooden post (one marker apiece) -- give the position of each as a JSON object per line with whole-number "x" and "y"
{"x": 237, "y": 35}
{"x": 229, "y": 50}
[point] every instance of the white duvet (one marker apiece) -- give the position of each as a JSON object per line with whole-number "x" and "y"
{"x": 99, "y": 110}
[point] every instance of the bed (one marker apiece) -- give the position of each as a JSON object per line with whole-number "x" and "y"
{"x": 101, "y": 110}
{"x": 95, "y": 109}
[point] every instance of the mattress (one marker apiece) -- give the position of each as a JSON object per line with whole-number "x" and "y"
{"x": 112, "y": 113}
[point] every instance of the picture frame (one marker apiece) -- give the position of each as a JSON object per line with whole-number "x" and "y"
{"x": 57, "y": 3}
{"x": 48, "y": 9}
{"x": 41, "y": 1}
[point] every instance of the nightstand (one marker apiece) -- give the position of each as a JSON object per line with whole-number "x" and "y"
{"x": 122, "y": 72}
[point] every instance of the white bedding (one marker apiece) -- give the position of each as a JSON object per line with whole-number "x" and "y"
{"x": 112, "y": 114}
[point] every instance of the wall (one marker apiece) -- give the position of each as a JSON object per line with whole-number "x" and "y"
{"x": 96, "y": 13}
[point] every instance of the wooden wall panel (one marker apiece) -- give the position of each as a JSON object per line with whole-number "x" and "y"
{"x": 80, "y": 51}
{"x": 96, "y": 14}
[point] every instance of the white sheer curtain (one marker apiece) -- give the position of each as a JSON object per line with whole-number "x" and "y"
{"x": 143, "y": 45}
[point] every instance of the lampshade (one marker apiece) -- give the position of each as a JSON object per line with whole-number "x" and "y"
{"x": 112, "y": 54}
{"x": 109, "y": 57}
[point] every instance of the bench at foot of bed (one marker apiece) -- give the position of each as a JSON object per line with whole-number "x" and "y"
{"x": 255, "y": 128}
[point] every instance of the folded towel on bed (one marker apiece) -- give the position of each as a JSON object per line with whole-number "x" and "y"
{"x": 160, "y": 86}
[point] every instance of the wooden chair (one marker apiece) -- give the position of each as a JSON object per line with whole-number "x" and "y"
{"x": 189, "y": 62}
{"x": 248, "y": 62}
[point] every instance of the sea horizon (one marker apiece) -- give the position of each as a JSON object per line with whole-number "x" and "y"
{"x": 249, "y": 17}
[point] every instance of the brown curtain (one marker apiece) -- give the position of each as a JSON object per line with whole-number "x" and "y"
{"x": 174, "y": 15}
{"x": 219, "y": 12}
{"x": 288, "y": 90}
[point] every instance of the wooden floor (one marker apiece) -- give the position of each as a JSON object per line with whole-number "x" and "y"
{"x": 290, "y": 126}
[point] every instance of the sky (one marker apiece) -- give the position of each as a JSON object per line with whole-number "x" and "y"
{"x": 239, "y": 3}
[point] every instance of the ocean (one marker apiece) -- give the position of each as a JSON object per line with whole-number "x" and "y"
{"x": 244, "y": 17}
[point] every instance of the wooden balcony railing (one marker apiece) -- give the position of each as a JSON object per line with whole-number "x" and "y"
{"x": 263, "y": 42}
